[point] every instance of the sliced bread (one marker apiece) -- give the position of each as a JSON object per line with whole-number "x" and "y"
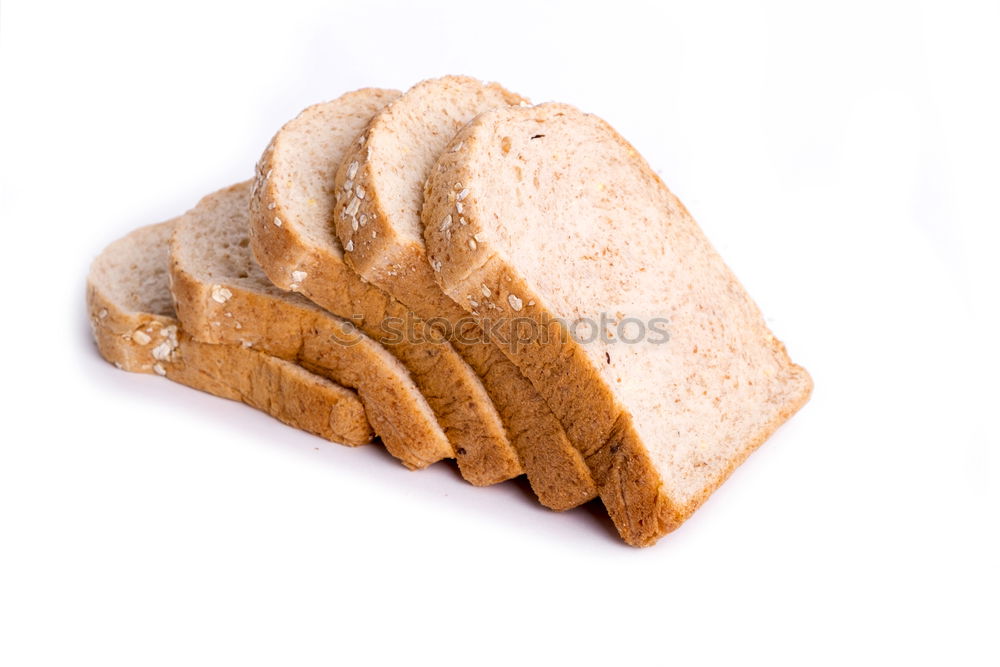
{"x": 567, "y": 224}
{"x": 135, "y": 328}
{"x": 291, "y": 234}
{"x": 391, "y": 164}
{"x": 222, "y": 296}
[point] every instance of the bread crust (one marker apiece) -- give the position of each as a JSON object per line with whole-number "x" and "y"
{"x": 397, "y": 264}
{"x": 630, "y": 484}
{"x": 457, "y": 396}
{"x": 147, "y": 342}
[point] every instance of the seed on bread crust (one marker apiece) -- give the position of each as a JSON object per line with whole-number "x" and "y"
{"x": 221, "y": 294}
{"x": 352, "y": 208}
{"x": 163, "y": 351}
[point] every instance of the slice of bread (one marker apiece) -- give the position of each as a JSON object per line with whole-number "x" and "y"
{"x": 390, "y": 166}
{"x": 133, "y": 322}
{"x": 222, "y": 296}
{"x": 290, "y": 231}
{"x": 566, "y": 224}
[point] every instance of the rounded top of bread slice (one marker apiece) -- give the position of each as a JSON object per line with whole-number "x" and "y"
{"x": 584, "y": 229}
{"x": 293, "y": 190}
{"x": 210, "y": 250}
{"x": 379, "y": 185}
{"x": 132, "y": 271}
{"x": 560, "y": 195}
{"x": 131, "y": 313}
{"x": 212, "y": 243}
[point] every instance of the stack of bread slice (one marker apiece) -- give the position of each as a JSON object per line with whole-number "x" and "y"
{"x": 464, "y": 275}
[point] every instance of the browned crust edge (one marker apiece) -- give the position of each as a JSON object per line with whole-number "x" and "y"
{"x": 335, "y": 413}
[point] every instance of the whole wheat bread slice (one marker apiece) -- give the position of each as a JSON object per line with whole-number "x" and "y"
{"x": 402, "y": 143}
{"x": 222, "y": 296}
{"x": 290, "y": 231}
{"x": 564, "y": 220}
{"x": 133, "y": 322}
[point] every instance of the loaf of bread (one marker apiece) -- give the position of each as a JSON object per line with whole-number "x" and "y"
{"x": 466, "y": 276}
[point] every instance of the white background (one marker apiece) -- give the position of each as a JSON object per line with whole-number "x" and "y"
{"x": 842, "y": 156}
